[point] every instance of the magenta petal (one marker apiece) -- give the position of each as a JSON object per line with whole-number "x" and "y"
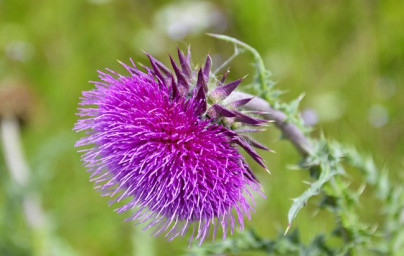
{"x": 240, "y": 103}
{"x": 216, "y": 111}
{"x": 255, "y": 143}
{"x": 224, "y": 77}
{"x": 206, "y": 69}
{"x": 200, "y": 97}
{"x": 182, "y": 81}
{"x": 172, "y": 84}
{"x": 156, "y": 69}
{"x": 222, "y": 92}
{"x": 201, "y": 82}
{"x": 158, "y": 64}
{"x": 185, "y": 65}
{"x": 250, "y": 151}
{"x": 243, "y": 118}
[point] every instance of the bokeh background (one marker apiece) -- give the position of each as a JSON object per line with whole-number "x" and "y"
{"x": 347, "y": 57}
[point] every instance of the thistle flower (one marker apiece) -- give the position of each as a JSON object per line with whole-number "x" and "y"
{"x": 164, "y": 140}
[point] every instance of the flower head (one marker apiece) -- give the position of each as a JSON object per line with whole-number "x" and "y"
{"x": 163, "y": 140}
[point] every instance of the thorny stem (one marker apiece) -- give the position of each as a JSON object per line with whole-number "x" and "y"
{"x": 307, "y": 148}
{"x": 19, "y": 172}
{"x": 290, "y": 131}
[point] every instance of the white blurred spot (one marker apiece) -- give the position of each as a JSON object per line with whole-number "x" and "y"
{"x": 378, "y": 116}
{"x": 19, "y": 51}
{"x": 309, "y": 117}
{"x": 179, "y": 19}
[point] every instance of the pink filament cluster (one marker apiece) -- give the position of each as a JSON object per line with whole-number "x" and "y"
{"x": 177, "y": 166}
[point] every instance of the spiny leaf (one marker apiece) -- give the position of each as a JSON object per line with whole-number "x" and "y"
{"x": 298, "y": 203}
{"x": 294, "y": 104}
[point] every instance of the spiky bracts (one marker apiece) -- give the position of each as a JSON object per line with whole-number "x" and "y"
{"x": 163, "y": 139}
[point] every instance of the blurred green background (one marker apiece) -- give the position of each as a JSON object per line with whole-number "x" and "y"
{"x": 347, "y": 56}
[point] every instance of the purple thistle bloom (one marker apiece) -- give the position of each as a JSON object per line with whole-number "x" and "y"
{"x": 157, "y": 138}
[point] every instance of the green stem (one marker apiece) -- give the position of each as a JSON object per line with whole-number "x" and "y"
{"x": 322, "y": 155}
